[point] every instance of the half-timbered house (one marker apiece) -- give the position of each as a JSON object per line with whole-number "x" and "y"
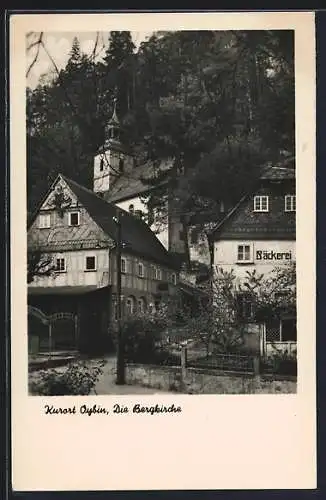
{"x": 77, "y": 232}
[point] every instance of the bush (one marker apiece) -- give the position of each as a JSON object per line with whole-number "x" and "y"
{"x": 142, "y": 337}
{"x": 78, "y": 379}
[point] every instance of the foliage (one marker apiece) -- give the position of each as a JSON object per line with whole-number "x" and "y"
{"x": 39, "y": 264}
{"x": 79, "y": 379}
{"x": 218, "y": 103}
{"x": 272, "y": 293}
{"x": 142, "y": 336}
{"x": 221, "y": 320}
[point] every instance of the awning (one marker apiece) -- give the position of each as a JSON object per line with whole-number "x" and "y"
{"x": 63, "y": 290}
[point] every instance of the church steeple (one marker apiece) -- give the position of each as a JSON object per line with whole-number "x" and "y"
{"x": 113, "y": 129}
{"x": 113, "y": 158}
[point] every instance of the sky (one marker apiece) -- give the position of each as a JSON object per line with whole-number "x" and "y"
{"x": 59, "y": 45}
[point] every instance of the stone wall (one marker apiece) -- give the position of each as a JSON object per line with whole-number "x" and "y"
{"x": 158, "y": 377}
{"x": 198, "y": 381}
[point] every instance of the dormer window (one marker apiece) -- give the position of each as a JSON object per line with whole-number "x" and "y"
{"x": 261, "y": 203}
{"x": 44, "y": 221}
{"x": 74, "y": 219}
{"x": 290, "y": 203}
{"x": 131, "y": 209}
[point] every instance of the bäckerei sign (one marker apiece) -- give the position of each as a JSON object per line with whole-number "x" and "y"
{"x": 272, "y": 255}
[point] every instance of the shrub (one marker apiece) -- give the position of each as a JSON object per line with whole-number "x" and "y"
{"x": 142, "y": 337}
{"x": 79, "y": 378}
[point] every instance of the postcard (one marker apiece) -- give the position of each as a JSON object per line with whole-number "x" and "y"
{"x": 162, "y": 207}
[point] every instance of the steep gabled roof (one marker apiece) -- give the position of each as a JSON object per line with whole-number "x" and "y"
{"x": 269, "y": 173}
{"x": 137, "y": 182}
{"x": 229, "y": 215}
{"x": 135, "y": 233}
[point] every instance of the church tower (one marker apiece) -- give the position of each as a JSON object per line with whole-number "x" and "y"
{"x": 113, "y": 159}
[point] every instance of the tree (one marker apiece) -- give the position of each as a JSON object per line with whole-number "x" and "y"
{"x": 274, "y": 293}
{"x": 75, "y": 56}
{"x": 220, "y": 104}
{"x": 118, "y": 69}
{"x": 214, "y": 101}
{"x": 65, "y": 125}
{"x": 120, "y": 46}
{"x": 39, "y": 265}
{"x": 221, "y": 323}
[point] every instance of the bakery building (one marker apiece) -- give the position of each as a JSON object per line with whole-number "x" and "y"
{"x": 259, "y": 233}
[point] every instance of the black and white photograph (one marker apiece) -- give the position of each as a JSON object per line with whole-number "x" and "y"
{"x": 162, "y": 211}
{"x": 161, "y": 206}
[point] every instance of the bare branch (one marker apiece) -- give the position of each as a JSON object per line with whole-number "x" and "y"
{"x": 95, "y": 46}
{"x": 50, "y": 57}
{"x": 37, "y": 43}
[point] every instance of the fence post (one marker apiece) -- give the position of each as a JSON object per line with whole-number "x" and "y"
{"x": 256, "y": 366}
{"x": 183, "y": 364}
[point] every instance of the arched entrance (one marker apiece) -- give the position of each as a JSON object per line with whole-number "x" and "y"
{"x": 51, "y": 333}
{"x": 63, "y": 334}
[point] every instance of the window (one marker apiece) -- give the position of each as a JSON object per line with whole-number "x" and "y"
{"x": 44, "y": 221}
{"x": 123, "y": 265}
{"x": 130, "y": 306}
{"x": 60, "y": 265}
{"x": 174, "y": 278}
{"x": 131, "y": 209}
{"x": 281, "y": 330}
{"x": 140, "y": 270}
{"x": 261, "y": 203}
{"x": 74, "y": 219}
{"x": 244, "y": 253}
{"x": 141, "y": 305}
{"x": 101, "y": 164}
{"x": 158, "y": 273}
{"x": 289, "y": 330}
{"x": 121, "y": 165}
{"x": 244, "y": 305}
{"x": 90, "y": 263}
{"x": 290, "y": 203}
